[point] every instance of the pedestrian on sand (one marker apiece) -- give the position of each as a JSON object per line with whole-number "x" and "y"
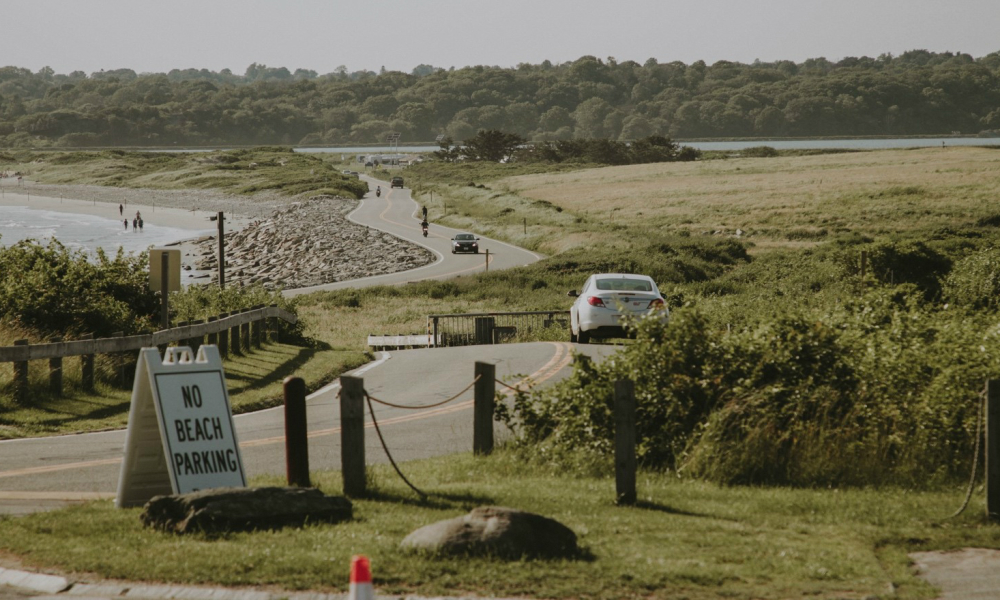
{"x": 126, "y": 224}
{"x": 140, "y": 225}
{"x": 121, "y": 209}
{"x": 135, "y": 224}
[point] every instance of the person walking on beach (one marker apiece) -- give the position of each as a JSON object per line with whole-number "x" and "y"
{"x": 140, "y": 225}
{"x": 121, "y": 209}
{"x": 135, "y": 224}
{"x": 126, "y": 224}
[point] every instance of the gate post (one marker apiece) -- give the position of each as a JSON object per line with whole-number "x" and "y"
{"x": 87, "y": 368}
{"x": 296, "y": 433}
{"x": 482, "y": 418}
{"x": 21, "y": 377}
{"x": 352, "y": 434}
{"x": 224, "y": 338}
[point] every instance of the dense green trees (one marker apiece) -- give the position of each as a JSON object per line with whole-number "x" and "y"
{"x": 918, "y": 92}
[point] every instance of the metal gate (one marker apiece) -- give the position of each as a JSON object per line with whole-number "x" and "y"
{"x": 467, "y": 329}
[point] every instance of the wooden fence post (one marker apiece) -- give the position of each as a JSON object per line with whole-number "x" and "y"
{"x": 296, "y": 433}
{"x": 235, "y": 345}
{"x": 625, "y": 463}
{"x": 87, "y": 368}
{"x": 184, "y": 342}
{"x": 197, "y": 341}
{"x": 482, "y": 419}
{"x": 352, "y": 435}
{"x": 21, "y": 377}
{"x": 993, "y": 449}
{"x": 56, "y": 371}
{"x": 224, "y": 339}
{"x": 258, "y": 337}
{"x": 120, "y": 363}
{"x": 213, "y": 337}
{"x": 245, "y": 337}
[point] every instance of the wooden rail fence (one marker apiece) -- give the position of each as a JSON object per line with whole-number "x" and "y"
{"x": 232, "y": 332}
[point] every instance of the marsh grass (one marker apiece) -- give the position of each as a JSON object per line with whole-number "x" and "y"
{"x": 682, "y": 539}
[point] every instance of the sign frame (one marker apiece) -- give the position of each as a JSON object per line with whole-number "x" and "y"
{"x": 181, "y": 437}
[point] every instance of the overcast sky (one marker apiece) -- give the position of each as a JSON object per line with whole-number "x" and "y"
{"x": 159, "y": 35}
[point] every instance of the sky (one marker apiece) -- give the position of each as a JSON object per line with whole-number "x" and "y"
{"x": 320, "y": 35}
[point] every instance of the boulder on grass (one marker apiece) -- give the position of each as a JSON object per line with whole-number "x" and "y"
{"x": 244, "y": 509}
{"x": 496, "y": 531}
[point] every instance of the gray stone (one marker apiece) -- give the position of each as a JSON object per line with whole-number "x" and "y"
{"x": 244, "y": 509}
{"x": 496, "y": 531}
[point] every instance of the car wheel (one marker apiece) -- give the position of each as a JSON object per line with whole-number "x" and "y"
{"x": 584, "y": 337}
{"x": 452, "y": 251}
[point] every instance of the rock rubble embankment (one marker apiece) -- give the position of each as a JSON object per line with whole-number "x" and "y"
{"x": 308, "y": 243}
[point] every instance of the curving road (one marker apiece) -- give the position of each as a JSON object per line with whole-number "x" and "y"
{"x": 397, "y": 213}
{"x": 42, "y": 473}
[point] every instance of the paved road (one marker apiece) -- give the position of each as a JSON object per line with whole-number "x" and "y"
{"x": 43, "y": 473}
{"x": 396, "y": 212}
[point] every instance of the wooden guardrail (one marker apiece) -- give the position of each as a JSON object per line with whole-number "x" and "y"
{"x": 23, "y": 353}
{"x": 230, "y": 331}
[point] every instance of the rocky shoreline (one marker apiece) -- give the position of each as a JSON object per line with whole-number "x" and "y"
{"x": 309, "y": 243}
{"x": 275, "y": 240}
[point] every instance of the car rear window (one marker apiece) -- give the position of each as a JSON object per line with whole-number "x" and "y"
{"x": 624, "y": 285}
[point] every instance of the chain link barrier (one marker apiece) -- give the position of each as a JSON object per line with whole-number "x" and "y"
{"x": 980, "y": 417}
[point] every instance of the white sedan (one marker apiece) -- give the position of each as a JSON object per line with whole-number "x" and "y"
{"x": 598, "y": 309}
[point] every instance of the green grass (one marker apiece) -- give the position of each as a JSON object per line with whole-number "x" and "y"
{"x": 244, "y": 172}
{"x": 255, "y": 381}
{"x": 683, "y": 539}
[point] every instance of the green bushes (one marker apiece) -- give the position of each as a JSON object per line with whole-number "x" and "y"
{"x": 881, "y": 389}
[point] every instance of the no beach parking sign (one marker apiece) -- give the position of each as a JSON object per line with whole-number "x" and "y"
{"x": 180, "y": 434}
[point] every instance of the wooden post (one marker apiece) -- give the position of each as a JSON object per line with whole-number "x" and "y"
{"x": 196, "y": 341}
{"x": 993, "y": 449}
{"x": 213, "y": 337}
{"x": 184, "y": 342}
{"x": 352, "y": 435}
{"x": 296, "y": 430}
{"x": 56, "y": 371}
{"x": 224, "y": 339}
{"x": 625, "y": 464}
{"x": 87, "y": 368}
{"x": 164, "y": 291}
{"x": 482, "y": 419}
{"x": 222, "y": 250}
{"x": 21, "y": 377}
{"x": 120, "y": 363}
{"x": 235, "y": 347}
{"x": 257, "y": 336}
{"x": 245, "y": 337}
{"x": 487, "y": 260}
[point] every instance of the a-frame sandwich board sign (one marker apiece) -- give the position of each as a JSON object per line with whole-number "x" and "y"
{"x": 180, "y": 435}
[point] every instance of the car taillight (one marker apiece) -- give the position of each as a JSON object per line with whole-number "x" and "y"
{"x": 595, "y": 301}
{"x": 655, "y": 303}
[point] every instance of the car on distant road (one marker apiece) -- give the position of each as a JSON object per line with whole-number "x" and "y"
{"x": 465, "y": 242}
{"x": 396, "y": 182}
{"x": 606, "y": 298}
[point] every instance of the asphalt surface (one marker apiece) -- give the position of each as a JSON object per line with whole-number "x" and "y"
{"x": 397, "y": 213}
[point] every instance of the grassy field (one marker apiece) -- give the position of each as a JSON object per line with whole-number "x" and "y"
{"x": 255, "y": 381}
{"x": 785, "y": 201}
{"x": 683, "y": 539}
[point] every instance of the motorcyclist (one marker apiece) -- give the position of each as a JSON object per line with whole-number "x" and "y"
{"x": 378, "y": 191}
{"x": 423, "y": 227}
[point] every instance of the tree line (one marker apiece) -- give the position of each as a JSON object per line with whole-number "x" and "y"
{"x": 916, "y": 93}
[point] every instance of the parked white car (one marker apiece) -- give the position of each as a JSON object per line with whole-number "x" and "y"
{"x": 605, "y": 298}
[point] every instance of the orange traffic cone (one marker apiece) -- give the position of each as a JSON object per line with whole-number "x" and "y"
{"x": 361, "y": 580}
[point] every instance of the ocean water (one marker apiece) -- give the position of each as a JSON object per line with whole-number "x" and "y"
{"x": 88, "y": 232}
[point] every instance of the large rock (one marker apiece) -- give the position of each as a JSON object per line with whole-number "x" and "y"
{"x": 496, "y": 531}
{"x": 244, "y": 509}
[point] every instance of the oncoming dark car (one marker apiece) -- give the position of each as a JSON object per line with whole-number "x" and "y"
{"x": 465, "y": 242}
{"x": 396, "y": 182}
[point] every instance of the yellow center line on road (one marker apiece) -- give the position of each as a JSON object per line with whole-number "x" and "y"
{"x": 560, "y": 359}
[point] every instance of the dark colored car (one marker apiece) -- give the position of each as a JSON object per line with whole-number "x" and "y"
{"x": 465, "y": 242}
{"x": 396, "y": 182}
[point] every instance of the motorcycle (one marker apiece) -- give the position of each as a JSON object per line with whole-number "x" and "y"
{"x": 378, "y": 193}
{"x": 425, "y": 230}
